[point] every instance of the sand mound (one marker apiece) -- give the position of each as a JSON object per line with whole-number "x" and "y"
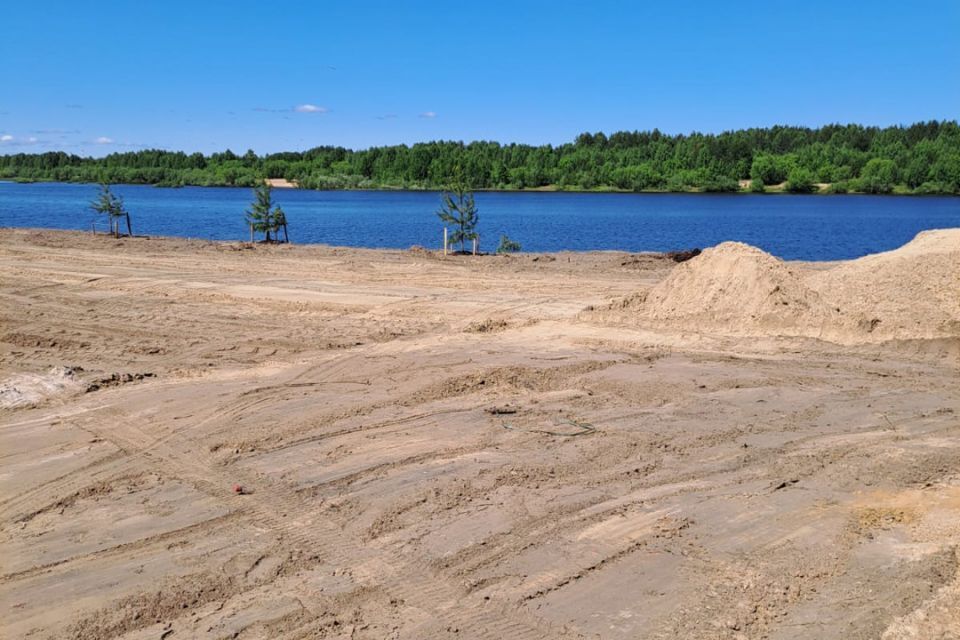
{"x": 909, "y": 293}
{"x": 736, "y": 288}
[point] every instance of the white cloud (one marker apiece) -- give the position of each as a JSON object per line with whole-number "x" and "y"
{"x": 19, "y": 142}
{"x": 428, "y": 114}
{"x": 309, "y": 108}
{"x": 104, "y": 140}
{"x": 300, "y": 108}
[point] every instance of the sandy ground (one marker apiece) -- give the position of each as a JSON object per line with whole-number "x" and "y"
{"x": 281, "y": 183}
{"x": 466, "y": 447}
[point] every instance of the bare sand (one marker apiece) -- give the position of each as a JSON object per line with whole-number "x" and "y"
{"x": 208, "y": 440}
{"x": 281, "y": 183}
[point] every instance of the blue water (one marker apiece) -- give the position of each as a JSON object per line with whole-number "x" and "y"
{"x": 792, "y": 227}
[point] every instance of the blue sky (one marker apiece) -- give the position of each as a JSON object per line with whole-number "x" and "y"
{"x": 98, "y": 77}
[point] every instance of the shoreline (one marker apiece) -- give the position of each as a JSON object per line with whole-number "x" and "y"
{"x": 434, "y": 253}
{"x": 772, "y": 191}
{"x": 291, "y": 246}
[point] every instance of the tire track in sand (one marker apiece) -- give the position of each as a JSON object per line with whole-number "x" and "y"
{"x": 276, "y": 507}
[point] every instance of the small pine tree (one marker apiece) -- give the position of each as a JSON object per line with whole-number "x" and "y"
{"x": 264, "y": 219}
{"x": 459, "y": 210}
{"x": 111, "y": 206}
{"x": 507, "y": 245}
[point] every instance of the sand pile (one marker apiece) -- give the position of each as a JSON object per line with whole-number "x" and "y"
{"x": 739, "y": 289}
{"x": 909, "y": 293}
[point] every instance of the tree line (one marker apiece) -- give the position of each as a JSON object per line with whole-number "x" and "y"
{"x": 920, "y": 158}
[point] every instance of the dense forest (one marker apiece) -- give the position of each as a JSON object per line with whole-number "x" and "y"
{"x": 920, "y": 158}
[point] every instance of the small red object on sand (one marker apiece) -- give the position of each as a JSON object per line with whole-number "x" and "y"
{"x": 237, "y": 489}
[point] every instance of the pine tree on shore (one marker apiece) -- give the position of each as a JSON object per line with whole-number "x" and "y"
{"x": 264, "y": 218}
{"x": 460, "y": 211}
{"x": 111, "y": 206}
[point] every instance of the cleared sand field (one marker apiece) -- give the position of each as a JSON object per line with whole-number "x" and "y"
{"x": 206, "y": 440}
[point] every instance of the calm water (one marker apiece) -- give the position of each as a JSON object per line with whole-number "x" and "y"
{"x": 792, "y": 227}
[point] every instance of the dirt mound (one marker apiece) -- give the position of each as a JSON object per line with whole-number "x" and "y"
{"x": 736, "y": 288}
{"x": 490, "y": 325}
{"x": 909, "y": 293}
{"x": 682, "y": 256}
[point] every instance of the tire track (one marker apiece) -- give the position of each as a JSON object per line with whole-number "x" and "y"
{"x": 276, "y": 507}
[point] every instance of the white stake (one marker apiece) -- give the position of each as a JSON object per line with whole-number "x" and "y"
{"x": 474, "y": 246}
{"x": 444, "y": 241}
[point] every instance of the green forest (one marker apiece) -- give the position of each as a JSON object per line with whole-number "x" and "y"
{"x": 923, "y": 158}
